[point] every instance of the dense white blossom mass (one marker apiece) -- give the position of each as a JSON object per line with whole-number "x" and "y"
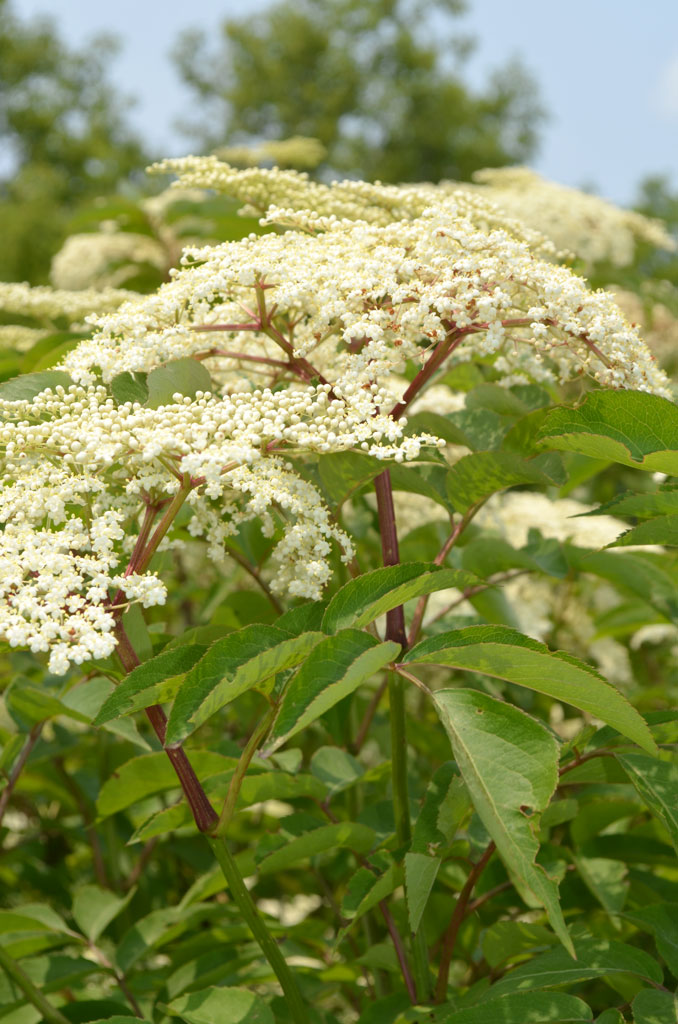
{"x": 317, "y": 339}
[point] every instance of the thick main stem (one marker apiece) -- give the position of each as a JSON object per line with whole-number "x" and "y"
{"x": 257, "y": 926}
{"x": 395, "y": 630}
{"x": 206, "y": 819}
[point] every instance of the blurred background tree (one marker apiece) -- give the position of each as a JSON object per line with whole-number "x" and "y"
{"x": 64, "y": 139}
{"x": 379, "y": 85}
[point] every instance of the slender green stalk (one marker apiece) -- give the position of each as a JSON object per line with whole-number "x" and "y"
{"x": 16, "y": 973}
{"x": 257, "y": 926}
{"x": 240, "y": 770}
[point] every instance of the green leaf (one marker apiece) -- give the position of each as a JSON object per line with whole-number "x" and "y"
{"x": 439, "y": 426}
{"x": 420, "y": 874}
{"x": 239, "y": 662}
{"x": 631, "y": 427}
{"x": 221, "y": 1006}
{"x": 506, "y": 654}
{"x": 518, "y": 1008}
{"x": 661, "y": 919}
{"x": 117, "y": 1019}
{"x": 159, "y": 928}
{"x": 129, "y": 387}
{"x": 505, "y": 940}
{"x": 657, "y": 783}
{"x": 653, "y": 1007}
{"x": 497, "y": 399}
{"x": 611, "y": 1016}
{"x": 663, "y": 530}
{"x": 28, "y": 385}
{"x": 642, "y": 506}
{"x": 475, "y": 477}
{"x": 446, "y": 804}
{"x": 364, "y": 891}
{"x": 364, "y": 599}
{"x": 349, "y": 834}
{"x": 152, "y": 773}
{"x": 509, "y": 762}
{"x": 32, "y": 917}
{"x": 94, "y": 908}
{"x": 305, "y": 618}
{"x": 182, "y": 376}
{"x": 342, "y": 473}
{"x": 50, "y": 973}
{"x": 606, "y": 879}
{"x": 154, "y": 682}
{"x": 336, "y": 768}
{"x": 596, "y": 958}
{"x": 335, "y": 668}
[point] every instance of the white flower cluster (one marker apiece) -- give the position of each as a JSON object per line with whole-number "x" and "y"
{"x": 49, "y": 304}
{"x": 361, "y": 299}
{"x": 103, "y": 259}
{"x": 63, "y": 451}
{"x": 290, "y": 198}
{"x": 308, "y": 334}
{"x": 56, "y": 566}
{"x": 583, "y": 224}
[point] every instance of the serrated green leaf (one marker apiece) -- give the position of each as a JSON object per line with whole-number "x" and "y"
{"x": 349, "y": 834}
{"x": 642, "y": 506}
{"x": 653, "y": 1007}
{"x": 657, "y": 783}
{"x": 94, "y": 908}
{"x": 504, "y": 653}
{"x": 221, "y": 1006}
{"x": 182, "y": 376}
{"x": 154, "y": 682}
{"x": 364, "y": 599}
{"x": 305, "y": 618}
{"x": 475, "y": 477}
{"x": 129, "y": 387}
{"x": 485, "y": 733}
{"x": 239, "y": 662}
{"x": 631, "y": 427}
{"x": 518, "y": 1008}
{"x": 153, "y": 773}
{"x": 596, "y": 958}
{"x": 662, "y": 530}
{"x": 420, "y": 874}
{"x": 28, "y": 385}
{"x": 335, "y": 668}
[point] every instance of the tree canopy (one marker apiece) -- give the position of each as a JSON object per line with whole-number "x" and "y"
{"x": 64, "y": 129}
{"x": 380, "y": 85}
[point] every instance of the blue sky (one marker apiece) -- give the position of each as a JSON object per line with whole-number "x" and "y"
{"x": 607, "y": 72}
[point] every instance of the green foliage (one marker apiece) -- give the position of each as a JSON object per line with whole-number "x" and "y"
{"x": 64, "y": 125}
{"x": 302, "y": 68}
